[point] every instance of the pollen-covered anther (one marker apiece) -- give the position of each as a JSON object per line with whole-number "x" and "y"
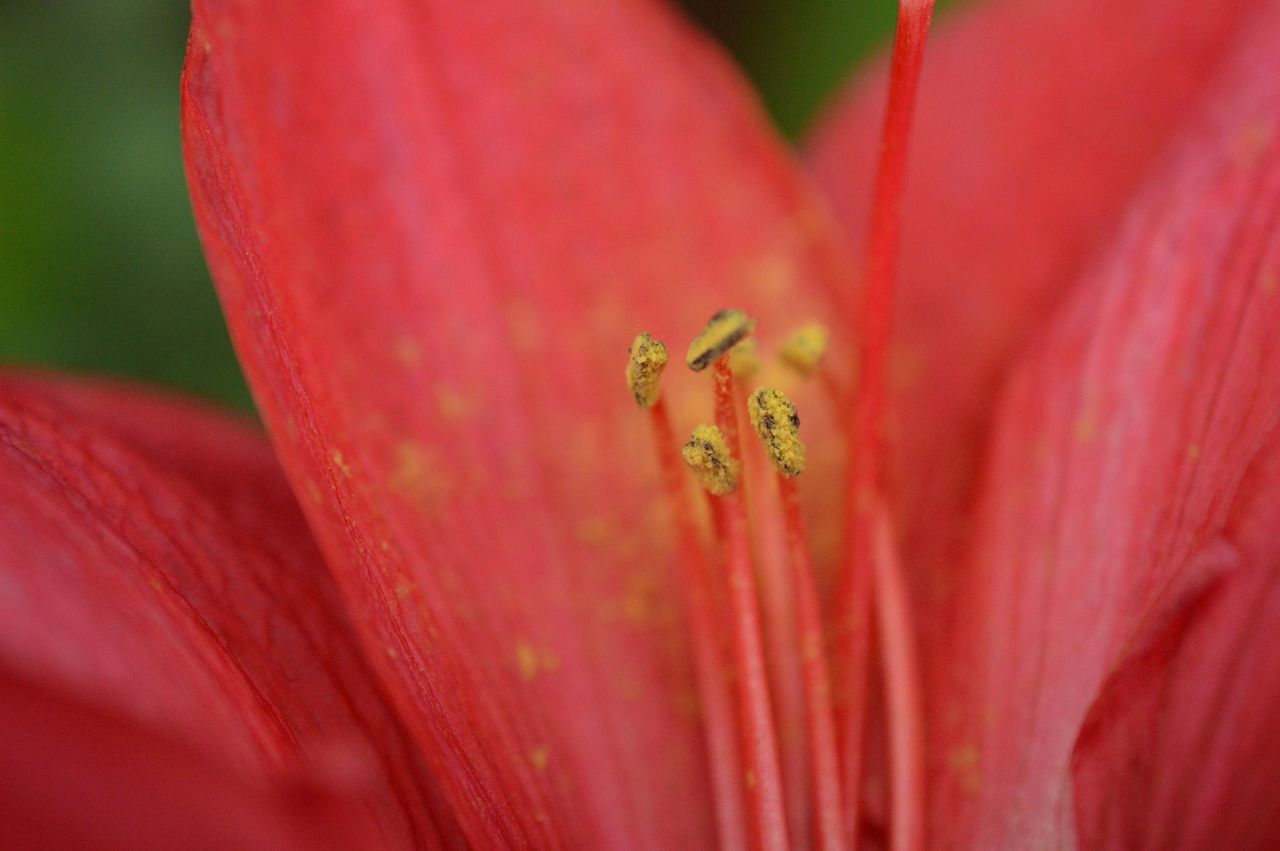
{"x": 777, "y": 422}
{"x": 644, "y": 369}
{"x": 708, "y": 456}
{"x": 744, "y": 359}
{"x": 722, "y": 332}
{"x": 804, "y": 349}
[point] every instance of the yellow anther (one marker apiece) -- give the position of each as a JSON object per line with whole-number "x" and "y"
{"x": 776, "y": 421}
{"x": 804, "y": 349}
{"x": 720, "y": 334}
{"x": 708, "y": 456}
{"x": 644, "y": 369}
{"x": 744, "y": 359}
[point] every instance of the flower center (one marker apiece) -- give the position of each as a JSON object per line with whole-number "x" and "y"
{"x": 734, "y": 682}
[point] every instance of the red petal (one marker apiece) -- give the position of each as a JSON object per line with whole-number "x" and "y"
{"x": 1188, "y": 728}
{"x": 154, "y": 561}
{"x": 436, "y": 228}
{"x": 1119, "y": 447}
{"x": 75, "y": 777}
{"x": 1037, "y": 119}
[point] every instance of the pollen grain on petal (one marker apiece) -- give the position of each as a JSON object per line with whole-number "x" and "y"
{"x": 722, "y": 332}
{"x": 777, "y": 422}
{"x": 340, "y": 462}
{"x": 526, "y": 660}
{"x": 420, "y": 475}
{"x": 707, "y": 454}
{"x": 965, "y": 761}
{"x": 407, "y": 351}
{"x": 455, "y": 404}
{"x": 804, "y": 349}
{"x": 644, "y": 369}
{"x": 531, "y": 660}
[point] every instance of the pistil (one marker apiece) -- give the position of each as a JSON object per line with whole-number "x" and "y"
{"x": 762, "y": 776}
{"x": 865, "y": 557}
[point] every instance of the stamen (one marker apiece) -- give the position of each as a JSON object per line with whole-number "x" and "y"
{"x": 777, "y": 423}
{"x": 777, "y": 604}
{"x": 723, "y": 330}
{"x": 762, "y": 776}
{"x": 804, "y": 349}
{"x": 744, "y": 360}
{"x": 715, "y": 696}
{"x": 644, "y": 369}
{"x": 714, "y": 693}
{"x": 708, "y": 457}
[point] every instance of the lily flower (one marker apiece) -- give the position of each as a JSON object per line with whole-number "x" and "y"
{"x": 1014, "y": 583}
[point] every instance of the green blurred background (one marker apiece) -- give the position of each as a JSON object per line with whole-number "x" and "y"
{"x": 100, "y": 269}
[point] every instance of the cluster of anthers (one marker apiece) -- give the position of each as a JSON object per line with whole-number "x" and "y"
{"x": 735, "y": 691}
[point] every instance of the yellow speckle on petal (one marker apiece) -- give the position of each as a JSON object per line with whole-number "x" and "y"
{"x": 531, "y": 661}
{"x": 526, "y": 660}
{"x": 777, "y": 422}
{"x": 454, "y": 404}
{"x": 707, "y": 455}
{"x": 644, "y": 369}
{"x": 407, "y": 351}
{"x": 595, "y": 531}
{"x": 313, "y": 491}
{"x": 524, "y": 326}
{"x": 1087, "y": 423}
{"x": 804, "y": 349}
{"x": 336, "y": 457}
{"x": 1253, "y": 140}
{"x": 418, "y": 474}
{"x": 538, "y": 757}
{"x": 722, "y": 332}
{"x": 965, "y": 761}
{"x": 1193, "y": 452}
{"x": 750, "y": 778}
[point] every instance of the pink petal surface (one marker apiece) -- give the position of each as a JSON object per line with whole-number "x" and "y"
{"x": 153, "y": 562}
{"x": 435, "y": 228}
{"x": 1188, "y": 728}
{"x": 77, "y": 777}
{"x": 1119, "y": 448}
{"x": 1037, "y": 120}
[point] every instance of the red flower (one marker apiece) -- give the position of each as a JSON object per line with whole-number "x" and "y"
{"x": 436, "y": 227}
